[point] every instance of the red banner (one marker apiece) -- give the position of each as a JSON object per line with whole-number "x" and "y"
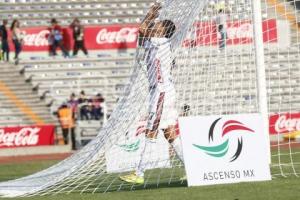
{"x": 284, "y": 123}
{"x": 26, "y": 136}
{"x": 96, "y": 37}
{"x": 125, "y": 36}
{"x": 237, "y": 33}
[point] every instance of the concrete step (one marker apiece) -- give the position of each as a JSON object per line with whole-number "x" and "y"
{"x": 16, "y": 82}
{"x": 40, "y": 150}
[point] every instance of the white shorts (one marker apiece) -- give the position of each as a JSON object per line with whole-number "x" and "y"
{"x": 162, "y": 109}
{"x": 169, "y": 115}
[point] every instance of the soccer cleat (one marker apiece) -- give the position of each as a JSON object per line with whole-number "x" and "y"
{"x": 132, "y": 178}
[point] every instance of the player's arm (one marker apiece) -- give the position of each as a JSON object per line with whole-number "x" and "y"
{"x": 146, "y": 29}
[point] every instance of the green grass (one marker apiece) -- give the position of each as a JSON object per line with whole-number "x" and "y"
{"x": 277, "y": 189}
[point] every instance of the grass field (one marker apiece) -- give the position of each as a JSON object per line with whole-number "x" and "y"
{"x": 279, "y": 188}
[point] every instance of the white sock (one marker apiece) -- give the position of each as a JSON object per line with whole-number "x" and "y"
{"x": 176, "y": 144}
{"x": 140, "y": 171}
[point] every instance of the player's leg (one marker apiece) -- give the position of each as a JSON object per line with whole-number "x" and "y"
{"x": 138, "y": 176}
{"x": 150, "y": 139}
{"x": 174, "y": 139}
{"x": 155, "y": 112}
{"x": 169, "y": 120}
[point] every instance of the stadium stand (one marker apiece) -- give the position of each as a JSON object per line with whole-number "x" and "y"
{"x": 19, "y": 95}
{"x": 39, "y": 13}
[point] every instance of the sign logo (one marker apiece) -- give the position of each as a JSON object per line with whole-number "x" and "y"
{"x": 133, "y": 147}
{"x": 221, "y": 150}
{"x": 124, "y": 35}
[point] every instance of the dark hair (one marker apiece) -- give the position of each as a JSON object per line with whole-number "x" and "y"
{"x": 76, "y": 20}
{"x": 13, "y": 24}
{"x": 53, "y": 21}
{"x": 170, "y": 28}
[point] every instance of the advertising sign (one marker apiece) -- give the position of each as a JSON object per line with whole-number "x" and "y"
{"x": 224, "y": 149}
{"x": 126, "y": 154}
{"x": 27, "y": 136}
{"x": 126, "y": 35}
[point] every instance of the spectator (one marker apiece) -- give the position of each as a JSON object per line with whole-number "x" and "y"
{"x": 78, "y": 36}
{"x": 4, "y": 36}
{"x": 1, "y": 54}
{"x": 186, "y": 110}
{"x": 56, "y": 38}
{"x": 17, "y": 38}
{"x": 97, "y": 109}
{"x": 67, "y": 123}
{"x": 83, "y": 104}
{"x": 73, "y": 103}
{"x": 221, "y": 26}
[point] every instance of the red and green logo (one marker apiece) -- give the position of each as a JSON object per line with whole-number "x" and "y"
{"x": 135, "y": 145}
{"x": 222, "y": 149}
{"x": 132, "y": 147}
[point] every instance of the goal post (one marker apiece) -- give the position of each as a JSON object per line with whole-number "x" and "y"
{"x": 260, "y": 68}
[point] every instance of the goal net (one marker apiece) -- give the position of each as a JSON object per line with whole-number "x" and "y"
{"x": 194, "y": 57}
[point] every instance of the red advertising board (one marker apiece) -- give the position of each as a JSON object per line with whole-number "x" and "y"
{"x": 125, "y": 36}
{"x": 284, "y": 123}
{"x": 26, "y": 136}
{"x": 237, "y": 33}
{"x": 96, "y": 37}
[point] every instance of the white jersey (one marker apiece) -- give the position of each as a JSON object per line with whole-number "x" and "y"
{"x": 159, "y": 61}
{"x": 222, "y": 19}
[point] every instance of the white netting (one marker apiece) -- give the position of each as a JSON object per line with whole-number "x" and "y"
{"x": 210, "y": 76}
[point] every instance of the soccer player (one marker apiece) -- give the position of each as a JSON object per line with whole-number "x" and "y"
{"x": 162, "y": 113}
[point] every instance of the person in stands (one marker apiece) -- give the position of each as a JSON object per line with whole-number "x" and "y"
{"x": 1, "y": 55}
{"x": 83, "y": 104}
{"x": 67, "y": 122}
{"x": 56, "y": 38}
{"x": 97, "y": 110}
{"x": 221, "y": 26}
{"x": 4, "y": 40}
{"x": 17, "y": 38}
{"x": 78, "y": 36}
{"x": 73, "y": 103}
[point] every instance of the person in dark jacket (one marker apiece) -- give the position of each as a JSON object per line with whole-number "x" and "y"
{"x": 83, "y": 104}
{"x": 4, "y": 37}
{"x": 78, "y": 36}
{"x": 56, "y": 38}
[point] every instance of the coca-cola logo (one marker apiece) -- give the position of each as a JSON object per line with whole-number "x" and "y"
{"x": 23, "y": 137}
{"x": 284, "y": 124}
{"x": 124, "y": 35}
{"x": 37, "y": 39}
{"x": 238, "y": 31}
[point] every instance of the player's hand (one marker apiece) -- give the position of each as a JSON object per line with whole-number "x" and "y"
{"x": 154, "y": 11}
{"x": 157, "y": 6}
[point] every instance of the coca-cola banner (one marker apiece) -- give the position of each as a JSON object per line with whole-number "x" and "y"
{"x": 111, "y": 37}
{"x": 284, "y": 123}
{"x": 125, "y": 36}
{"x": 237, "y": 33}
{"x": 26, "y": 136}
{"x": 96, "y": 37}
